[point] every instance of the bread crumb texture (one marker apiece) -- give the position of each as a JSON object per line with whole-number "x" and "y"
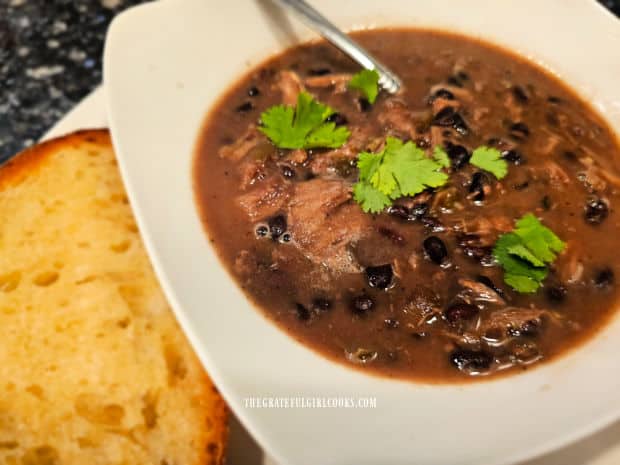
{"x": 94, "y": 369}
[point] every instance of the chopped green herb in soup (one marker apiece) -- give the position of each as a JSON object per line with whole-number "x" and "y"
{"x": 462, "y": 228}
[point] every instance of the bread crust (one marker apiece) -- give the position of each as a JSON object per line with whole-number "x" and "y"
{"x": 25, "y": 163}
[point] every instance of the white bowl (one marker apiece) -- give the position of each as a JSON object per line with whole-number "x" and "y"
{"x": 165, "y": 65}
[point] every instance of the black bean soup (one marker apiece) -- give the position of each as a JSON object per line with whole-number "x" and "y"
{"x": 415, "y": 291}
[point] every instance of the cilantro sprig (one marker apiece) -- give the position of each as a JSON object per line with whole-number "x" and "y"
{"x": 525, "y": 253}
{"x": 304, "y": 126}
{"x": 367, "y": 82}
{"x": 400, "y": 169}
{"x": 441, "y": 157}
{"x": 489, "y": 159}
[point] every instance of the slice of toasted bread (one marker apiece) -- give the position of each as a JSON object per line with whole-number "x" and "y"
{"x": 94, "y": 369}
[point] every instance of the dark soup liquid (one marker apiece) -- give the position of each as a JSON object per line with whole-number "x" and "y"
{"x": 463, "y": 228}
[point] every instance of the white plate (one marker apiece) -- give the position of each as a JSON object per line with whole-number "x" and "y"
{"x": 166, "y": 63}
{"x": 602, "y": 448}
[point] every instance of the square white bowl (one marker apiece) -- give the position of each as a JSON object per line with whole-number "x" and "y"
{"x": 165, "y": 65}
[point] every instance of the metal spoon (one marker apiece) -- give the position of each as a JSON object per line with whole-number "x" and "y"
{"x": 315, "y": 20}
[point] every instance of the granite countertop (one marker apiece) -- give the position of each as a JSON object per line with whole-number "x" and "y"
{"x": 50, "y": 58}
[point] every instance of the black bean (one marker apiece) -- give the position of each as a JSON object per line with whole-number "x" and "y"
{"x": 468, "y": 239}
{"x": 338, "y": 119}
{"x": 261, "y": 230}
{"x": 596, "y": 211}
{"x": 392, "y": 235}
{"x": 459, "y": 125}
{"x": 556, "y": 293}
{"x": 244, "y": 107}
{"x": 604, "y": 278}
{"x": 520, "y": 94}
{"x": 513, "y": 157}
{"x": 302, "y": 312}
{"x": 448, "y": 117}
{"x": 364, "y": 104}
{"x": 321, "y": 304}
{"x": 521, "y": 128}
{"x": 445, "y": 94}
{"x": 419, "y": 335}
{"x": 519, "y": 131}
{"x": 479, "y": 185}
{"x": 432, "y": 223}
{"x": 459, "y": 156}
{"x": 399, "y": 211}
{"x": 441, "y": 93}
{"x": 546, "y": 202}
{"x": 459, "y": 312}
{"x": 554, "y": 99}
{"x": 391, "y": 323}
{"x": 488, "y": 282}
{"x": 319, "y": 71}
{"x": 471, "y": 246}
{"x": 253, "y": 91}
{"x": 478, "y": 253}
{"x": 435, "y": 249}
{"x": 380, "y": 276}
{"x": 471, "y": 361}
{"x": 570, "y": 155}
{"x": 529, "y": 328}
{"x": 423, "y": 142}
{"x": 277, "y": 226}
{"x": 454, "y": 81}
{"x": 445, "y": 117}
{"x": 362, "y": 304}
{"x": 463, "y": 76}
{"x": 287, "y": 171}
{"x": 420, "y": 209}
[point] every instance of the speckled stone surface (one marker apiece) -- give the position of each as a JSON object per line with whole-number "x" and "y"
{"x": 613, "y": 5}
{"x": 50, "y": 58}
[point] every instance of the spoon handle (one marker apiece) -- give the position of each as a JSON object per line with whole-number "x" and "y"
{"x": 315, "y": 20}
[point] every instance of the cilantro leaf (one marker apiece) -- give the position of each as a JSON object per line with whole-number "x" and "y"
{"x": 525, "y": 253}
{"x": 371, "y": 199}
{"x": 367, "y": 82}
{"x": 368, "y": 164}
{"x": 441, "y": 157}
{"x": 277, "y": 125}
{"x": 539, "y": 239}
{"x": 416, "y": 176}
{"x": 520, "y": 283}
{"x": 302, "y": 127}
{"x": 400, "y": 169}
{"x": 522, "y": 252}
{"x": 327, "y": 136}
{"x": 514, "y": 263}
{"x": 489, "y": 159}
